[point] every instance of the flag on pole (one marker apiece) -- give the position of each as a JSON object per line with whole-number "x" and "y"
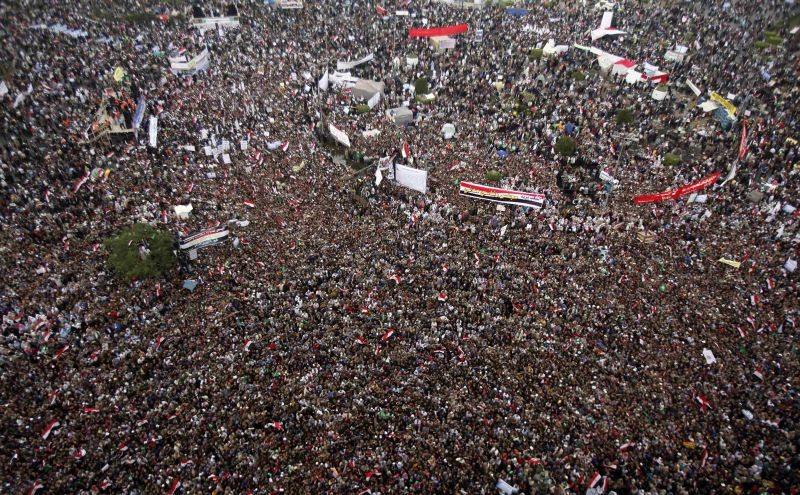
{"x": 405, "y": 151}
{"x": 742, "y": 333}
{"x": 754, "y": 299}
{"x": 176, "y": 483}
{"x": 770, "y": 284}
{"x": 285, "y": 146}
{"x": 743, "y": 141}
{"x": 386, "y": 335}
{"x": 704, "y": 457}
{"x": 595, "y": 480}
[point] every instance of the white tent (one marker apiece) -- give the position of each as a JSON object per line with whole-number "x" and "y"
{"x": 366, "y": 89}
{"x": 400, "y": 115}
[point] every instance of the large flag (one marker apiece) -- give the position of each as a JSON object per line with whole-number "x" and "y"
{"x": 676, "y": 193}
{"x": 439, "y": 31}
{"x": 743, "y": 141}
{"x": 505, "y": 196}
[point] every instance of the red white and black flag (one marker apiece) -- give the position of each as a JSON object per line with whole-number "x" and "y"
{"x": 743, "y": 141}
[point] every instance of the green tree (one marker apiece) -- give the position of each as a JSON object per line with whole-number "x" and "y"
{"x": 493, "y": 176}
{"x": 535, "y": 53}
{"x": 578, "y": 75}
{"x": 565, "y": 146}
{"x": 140, "y": 251}
{"x": 671, "y": 159}
{"x": 362, "y": 108}
{"x": 625, "y": 116}
{"x": 421, "y": 86}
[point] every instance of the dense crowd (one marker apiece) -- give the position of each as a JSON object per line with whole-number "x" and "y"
{"x": 359, "y": 338}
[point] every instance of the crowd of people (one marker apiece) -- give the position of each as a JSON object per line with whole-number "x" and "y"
{"x": 355, "y": 337}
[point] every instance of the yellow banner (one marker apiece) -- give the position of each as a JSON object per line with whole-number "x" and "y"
{"x": 732, "y": 263}
{"x": 722, "y": 101}
{"x": 119, "y": 74}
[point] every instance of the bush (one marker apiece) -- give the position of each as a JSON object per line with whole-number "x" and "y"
{"x": 761, "y": 45}
{"x": 774, "y": 40}
{"x": 125, "y": 256}
{"x": 771, "y": 34}
{"x": 625, "y": 116}
{"x": 578, "y": 75}
{"x": 421, "y": 86}
{"x": 565, "y": 146}
{"x": 493, "y": 176}
{"x": 662, "y": 88}
{"x": 362, "y": 108}
{"x": 671, "y": 159}
{"x": 141, "y": 17}
{"x": 535, "y": 53}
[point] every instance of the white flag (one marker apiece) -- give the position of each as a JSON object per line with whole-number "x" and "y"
{"x": 323, "y": 82}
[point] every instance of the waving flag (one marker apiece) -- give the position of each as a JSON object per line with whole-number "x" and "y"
{"x": 49, "y": 428}
{"x": 743, "y": 141}
{"x": 405, "y": 151}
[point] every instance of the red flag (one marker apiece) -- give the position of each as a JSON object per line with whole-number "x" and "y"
{"x": 442, "y": 297}
{"x": 380, "y": 10}
{"x": 743, "y": 141}
{"x": 91, "y": 410}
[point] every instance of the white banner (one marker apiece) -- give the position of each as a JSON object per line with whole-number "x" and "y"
{"x": 323, "y": 82}
{"x": 343, "y": 79}
{"x": 376, "y": 98}
{"x": 355, "y": 63}
{"x": 607, "y": 18}
{"x": 153, "y": 131}
{"x": 694, "y": 88}
{"x": 412, "y": 178}
{"x": 339, "y": 135}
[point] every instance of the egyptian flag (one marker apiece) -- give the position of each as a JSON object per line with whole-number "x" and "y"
{"x": 751, "y": 321}
{"x": 704, "y": 457}
{"x": 758, "y": 374}
{"x": 595, "y": 480}
{"x": 249, "y": 203}
{"x": 176, "y": 483}
{"x": 395, "y": 277}
{"x": 189, "y": 189}
{"x": 754, "y": 299}
{"x": 49, "y": 428}
{"x": 626, "y": 446}
{"x": 36, "y": 487}
{"x": 442, "y": 297}
{"x": 360, "y": 341}
{"x": 91, "y": 410}
{"x": 742, "y": 333}
{"x": 743, "y": 141}
{"x": 159, "y": 341}
{"x": 158, "y": 289}
{"x": 247, "y": 344}
{"x": 770, "y": 284}
{"x": 370, "y": 474}
{"x": 285, "y": 146}
{"x": 79, "y": 454}
{"x": 405, "y": 151}
{"x": 277, "y": 426}
{"x": 704, "y": 403}
{"x": 445, "y": 267}
{"x": 80, "y": 183}
{"x": 386, "y": 335}
{"x": 380, "y": 10}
